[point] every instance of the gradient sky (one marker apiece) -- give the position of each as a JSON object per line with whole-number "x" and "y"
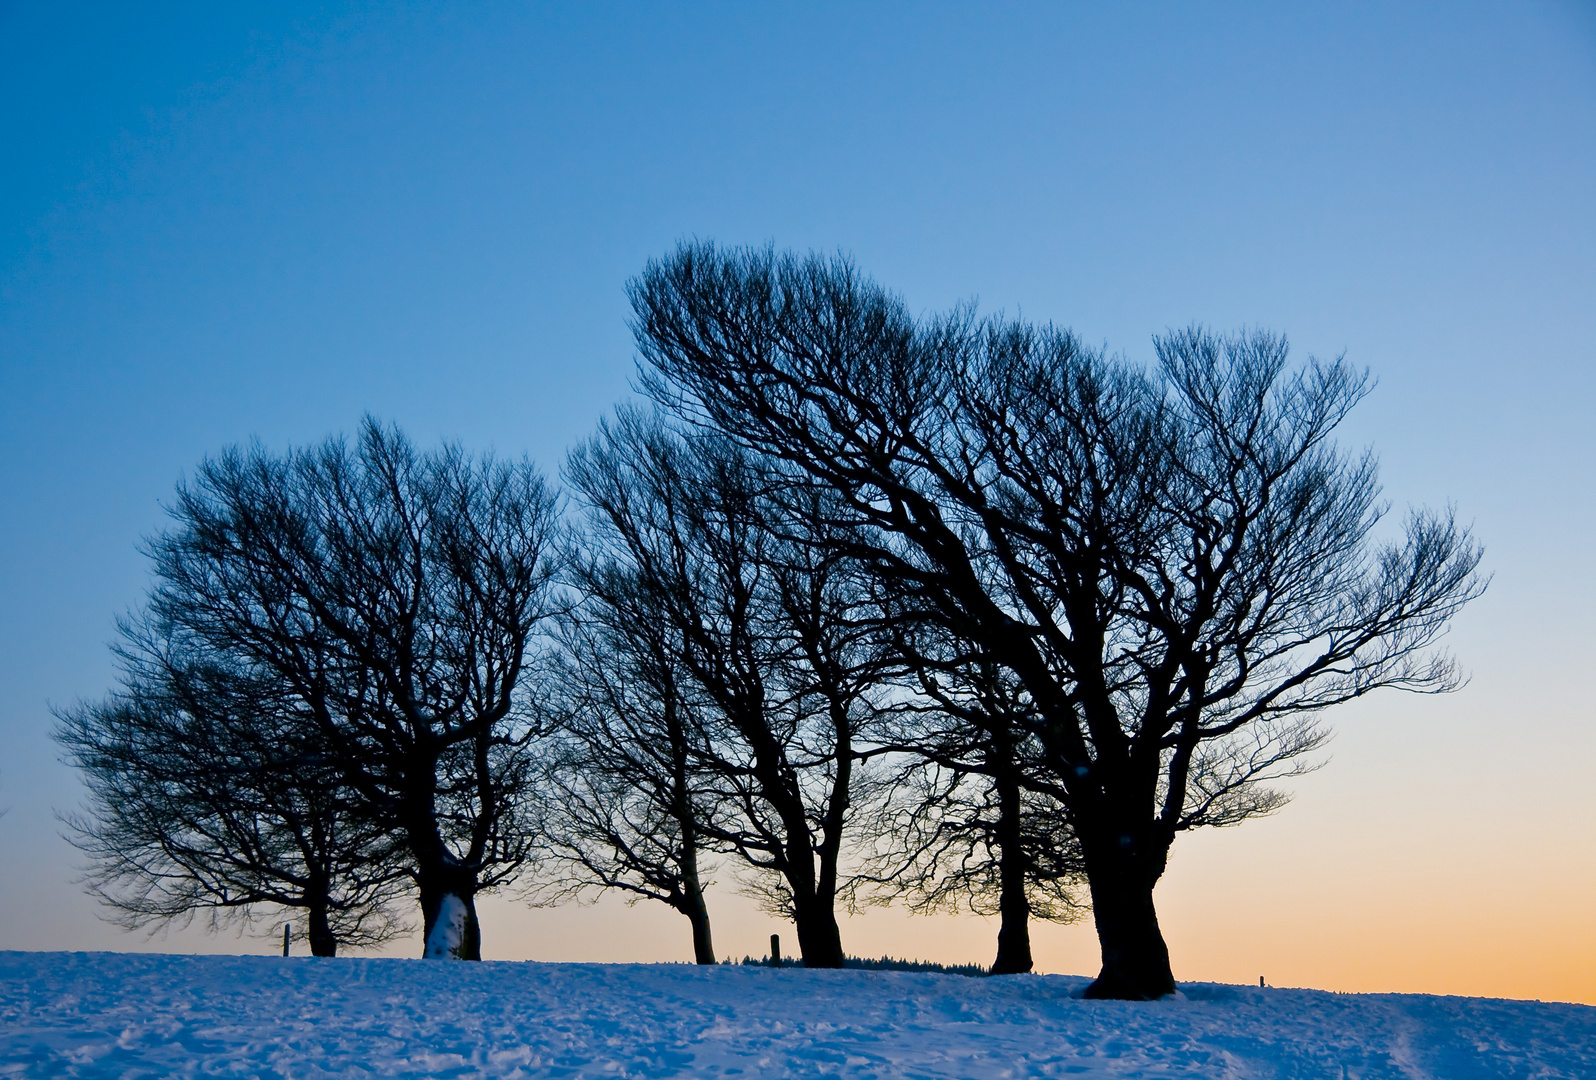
{"x": 263, "y": 222}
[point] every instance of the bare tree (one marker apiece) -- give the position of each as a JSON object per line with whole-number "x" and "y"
{"x": 959, "y": 828}
{"x": 1177, "y": 566}
{"x": 779, "y": 676}
{"x": 629, "y": 802}
{"x": 955, "y": 840}
{"x": 395, "y": 597}
{"x": 209, "y": 792}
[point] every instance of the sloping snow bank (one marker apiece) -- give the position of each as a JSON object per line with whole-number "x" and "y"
{"x": 109, "y": 1014}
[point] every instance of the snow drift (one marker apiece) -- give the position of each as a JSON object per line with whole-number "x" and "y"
{"x": 107, "y": 1014}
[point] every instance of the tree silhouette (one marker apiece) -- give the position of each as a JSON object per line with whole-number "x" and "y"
{"x": 389, "y": 599}
{"x": 779, "y": 679}
{"x": 1177, "y": 566}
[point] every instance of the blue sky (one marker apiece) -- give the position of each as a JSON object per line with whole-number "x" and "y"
{"x": 265, "y": 221}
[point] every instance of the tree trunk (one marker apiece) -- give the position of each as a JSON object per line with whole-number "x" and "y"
{"x": 813, "y": 896}
{"x": 814, "y": 907}
{"x": 1014, "y": 906}
{"x": 693, "y": 905}
{"x": 319, "y": 931}
{"x": 449, "y": 919}
{"x": 819, "y": 938}
{"x": 703, "y": 946}
{"x": 1135, "y": 958}
{"x": 448, "y": 890}
{"x": 1014, "y": 930}
{"x": 682, "y": 806}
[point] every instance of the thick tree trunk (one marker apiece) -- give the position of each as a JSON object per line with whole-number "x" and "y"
{"x": 319, "y": 931}
{"x": 813, "y": 894}
{"x": 448, "y": 890}
{"x": 1135, "y": 958}
{"x": 703, "y": 945}
{"x": 1014, "y": 932}
{"x": 1014, "y": 906}
{"x": 814, "y": 907}
{"x": 449, "y": 918}
{"x": 819, "y": 938}
{"x": 693, "y": 906}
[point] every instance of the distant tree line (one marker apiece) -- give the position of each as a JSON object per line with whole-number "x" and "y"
{"x": 868, "y": 607}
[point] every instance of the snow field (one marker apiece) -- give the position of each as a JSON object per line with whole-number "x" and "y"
{"x": 127, "y": 1015}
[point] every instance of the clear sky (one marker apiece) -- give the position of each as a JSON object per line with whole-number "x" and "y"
{"x": 220, "y": 222}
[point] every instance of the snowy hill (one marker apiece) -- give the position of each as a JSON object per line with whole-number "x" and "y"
{"x": 106, "y": 1014}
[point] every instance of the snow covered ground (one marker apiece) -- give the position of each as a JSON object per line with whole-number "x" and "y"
{"x": 107, "y": 1014}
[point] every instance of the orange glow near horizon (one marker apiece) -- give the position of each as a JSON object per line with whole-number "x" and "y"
{"x": 1441, "y": 850}
{"x": 1398, "y": 868}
